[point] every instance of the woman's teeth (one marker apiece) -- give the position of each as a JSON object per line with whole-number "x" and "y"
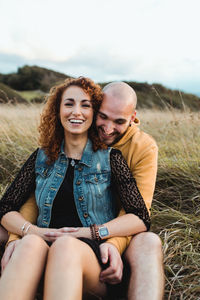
{"x": 76, "y": 121}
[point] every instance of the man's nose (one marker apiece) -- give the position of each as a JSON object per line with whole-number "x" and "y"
{"x": 108, "y": 128}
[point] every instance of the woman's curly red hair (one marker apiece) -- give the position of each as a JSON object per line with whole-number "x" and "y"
{"x": 50, "y": 128}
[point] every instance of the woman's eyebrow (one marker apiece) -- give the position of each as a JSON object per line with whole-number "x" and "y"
{"x": 85, "y": 100}
{"x": 70, "y": 99}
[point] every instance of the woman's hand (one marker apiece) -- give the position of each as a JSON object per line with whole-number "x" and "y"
{"x": 76, "y": 232}
{"x": 51, "y": 234}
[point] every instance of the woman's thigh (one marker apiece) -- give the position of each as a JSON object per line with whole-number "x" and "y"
{"x": 79, "y": 257}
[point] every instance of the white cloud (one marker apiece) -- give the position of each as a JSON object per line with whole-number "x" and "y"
{"x": 146, "y": 40}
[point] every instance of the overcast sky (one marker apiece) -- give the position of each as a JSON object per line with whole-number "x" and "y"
{"x": 139, "y": 40}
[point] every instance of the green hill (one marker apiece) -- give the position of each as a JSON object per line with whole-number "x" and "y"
{"x": 34, "y": 78}
{"x": 8, "y": 95}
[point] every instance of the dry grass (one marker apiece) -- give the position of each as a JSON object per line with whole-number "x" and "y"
{"x": 176, "y": 207}
{"x": 18, "y": 137}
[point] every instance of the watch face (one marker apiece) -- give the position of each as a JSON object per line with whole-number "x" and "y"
{"x": 103, "y": 231}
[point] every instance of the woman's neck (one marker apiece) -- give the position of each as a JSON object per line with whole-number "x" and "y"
{"x": 74, "y": 146}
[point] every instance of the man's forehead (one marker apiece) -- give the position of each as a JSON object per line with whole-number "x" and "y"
{"x": 115, "y": 107}
{"x": 114, "y": 113}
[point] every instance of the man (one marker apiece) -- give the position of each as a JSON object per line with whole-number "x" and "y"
{"x": 117, "y": 126}
{"x": 116, "y": 123}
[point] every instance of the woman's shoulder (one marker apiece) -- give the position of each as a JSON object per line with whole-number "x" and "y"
{"x": 41, "y": 156}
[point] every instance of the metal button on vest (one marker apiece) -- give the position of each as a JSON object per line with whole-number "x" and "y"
{"x": 78, "y": 182}
{"x": 80, "y": 198}
{"x": 80, "y": 169}
{"x": 96, "y": 179}
{"x": 85, "y": 215}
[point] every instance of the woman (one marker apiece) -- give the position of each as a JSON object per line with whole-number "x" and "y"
{"x": 74, "y": 177}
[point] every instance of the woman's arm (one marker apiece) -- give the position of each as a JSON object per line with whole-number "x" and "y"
{"x": 124, "y": 225}
{"x": 14, "y": 222}
{"x": 30, "y": 212}
{"x": 127, "y": 190}
{"x": 20, "y": 189}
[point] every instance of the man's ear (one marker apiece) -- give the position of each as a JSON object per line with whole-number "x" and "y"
{"x": 133, "y": 116}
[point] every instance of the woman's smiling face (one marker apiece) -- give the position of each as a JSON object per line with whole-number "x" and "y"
{"x": 76, "y": 112}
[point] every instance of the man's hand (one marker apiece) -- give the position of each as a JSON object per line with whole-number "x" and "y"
{"x": 8, "y": 253}
{"x": 113, "y": 274}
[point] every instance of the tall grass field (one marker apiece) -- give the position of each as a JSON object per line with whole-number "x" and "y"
{"x": 176, "y": 204}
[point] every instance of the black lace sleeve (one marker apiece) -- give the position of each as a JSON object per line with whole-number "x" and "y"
{"x": 124, "y": 183}
{"x": 19, "y": 190}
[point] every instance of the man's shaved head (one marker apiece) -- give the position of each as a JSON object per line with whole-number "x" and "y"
{"x": 121, "y": 91}
{"x": 117, "y": 112}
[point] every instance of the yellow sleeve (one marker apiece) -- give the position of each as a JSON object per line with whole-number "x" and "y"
{"x": 121, "y": 242}
{"x": 144, "y": 172}
{"x": 30, "y": 212}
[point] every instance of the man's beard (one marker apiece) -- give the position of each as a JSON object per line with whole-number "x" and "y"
{"x": 117, "y": 138}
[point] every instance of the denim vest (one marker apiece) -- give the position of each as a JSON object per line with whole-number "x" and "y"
{"x": 91, "y": 186}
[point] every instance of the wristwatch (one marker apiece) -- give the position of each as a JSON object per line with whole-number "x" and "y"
{"x": 103, "y": 232}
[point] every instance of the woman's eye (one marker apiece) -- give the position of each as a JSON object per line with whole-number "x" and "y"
{"x": 68, "y": 104}
{"x": 86, "y": 105}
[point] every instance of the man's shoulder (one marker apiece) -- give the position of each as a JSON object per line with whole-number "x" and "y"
{"x": 142, "y": 139}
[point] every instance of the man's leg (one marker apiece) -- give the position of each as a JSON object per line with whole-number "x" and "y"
{"x": 144, "y": 255}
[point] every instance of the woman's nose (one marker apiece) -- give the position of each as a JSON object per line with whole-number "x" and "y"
{"x": 77, "y": 110}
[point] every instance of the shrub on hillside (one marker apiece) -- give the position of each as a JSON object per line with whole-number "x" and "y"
{"x": 32, "y": 78}
{"x": 8, "y": 95}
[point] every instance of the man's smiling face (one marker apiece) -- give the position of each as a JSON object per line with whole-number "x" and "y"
{"x": 114, "y": 118}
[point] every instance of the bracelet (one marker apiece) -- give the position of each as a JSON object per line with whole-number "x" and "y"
{"x": 23, "y": 227}
{"x": 27, "y": 228}
{"x": 92, "y": 231}
{"x": 97, "y": 236}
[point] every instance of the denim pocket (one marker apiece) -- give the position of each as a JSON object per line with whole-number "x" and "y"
{"x": 97, "y": 184}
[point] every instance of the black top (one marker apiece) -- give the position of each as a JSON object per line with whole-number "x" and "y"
{"x": 64, "y": 211}
{"x": 122, "y": 182}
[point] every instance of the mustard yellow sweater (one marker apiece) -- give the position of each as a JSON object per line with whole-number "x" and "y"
{"x": 140, "y": 152}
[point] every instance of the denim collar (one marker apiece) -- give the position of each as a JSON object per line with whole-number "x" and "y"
{"x": 86, "y": 158}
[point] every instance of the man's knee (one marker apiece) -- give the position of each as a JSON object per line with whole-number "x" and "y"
{"x": 146, "y": 243}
